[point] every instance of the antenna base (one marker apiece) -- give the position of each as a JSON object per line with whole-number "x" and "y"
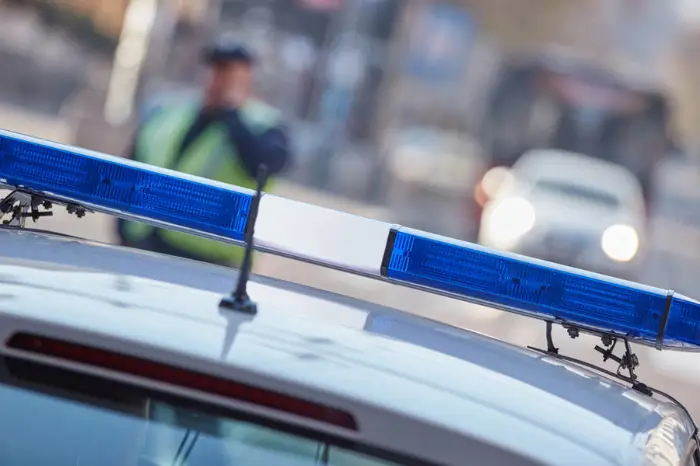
{"x": 244, "y": 305}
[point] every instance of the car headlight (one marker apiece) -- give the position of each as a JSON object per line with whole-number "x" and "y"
{"x": 508, "y": 220}
{"x": 620, "y": 243}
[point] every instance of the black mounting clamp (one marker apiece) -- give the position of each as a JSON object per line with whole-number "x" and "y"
{"x": 628, "y": 361}
{"x": 21, "y": 205}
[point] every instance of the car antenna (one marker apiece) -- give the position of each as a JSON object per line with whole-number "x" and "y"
{"x": 239, "y": 300}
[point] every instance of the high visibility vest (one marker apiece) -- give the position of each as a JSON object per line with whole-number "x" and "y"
{"x": 211, "y": 155}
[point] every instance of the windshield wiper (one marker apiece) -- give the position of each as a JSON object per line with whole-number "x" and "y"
{"x": 323, "y": 454}
{"x": 184, "y": 450}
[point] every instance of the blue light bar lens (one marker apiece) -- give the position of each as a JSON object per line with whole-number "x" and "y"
{"x": 549, "y": 290}
{"x": 113, "y": 184}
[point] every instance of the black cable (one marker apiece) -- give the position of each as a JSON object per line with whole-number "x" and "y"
{"x": 619, "y": 377}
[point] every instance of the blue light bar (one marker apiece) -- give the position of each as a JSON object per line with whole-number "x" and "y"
{"x": 350, "y": 243}
{"x": 118, "y": 186}
{"x": 541, "y": 289}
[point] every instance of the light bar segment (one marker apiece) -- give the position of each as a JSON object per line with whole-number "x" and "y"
{"x": 115, "y": 185}
{"x": 541, "y": 289}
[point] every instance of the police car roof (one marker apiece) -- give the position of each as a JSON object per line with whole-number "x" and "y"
{"x": 450, "y": 380}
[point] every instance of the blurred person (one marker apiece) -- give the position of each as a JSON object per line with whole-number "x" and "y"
{"x": 226, "y": 138}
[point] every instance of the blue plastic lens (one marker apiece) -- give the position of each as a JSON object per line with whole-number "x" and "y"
{"x": 111, "y": 183}
{"x": 548, "y": 290}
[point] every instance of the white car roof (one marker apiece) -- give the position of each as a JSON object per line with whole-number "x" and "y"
{"x": 580, "y": 169}
{"x": 415, "y": 386}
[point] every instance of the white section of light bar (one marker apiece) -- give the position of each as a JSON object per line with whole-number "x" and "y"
{"x": 324, "y": 236}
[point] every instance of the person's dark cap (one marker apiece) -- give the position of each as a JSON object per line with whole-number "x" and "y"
{"x": 226, "y": 52}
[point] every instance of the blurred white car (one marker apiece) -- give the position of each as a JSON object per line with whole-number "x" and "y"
{"x": 427, "y": 173}
{"x": 570, "y": 209}
{"x": 433, "y": 159}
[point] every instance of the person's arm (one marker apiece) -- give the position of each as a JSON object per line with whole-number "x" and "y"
{"x": 270, "y": 148}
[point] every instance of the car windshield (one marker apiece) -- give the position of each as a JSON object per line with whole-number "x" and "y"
{"x": 577, "y": 191}
{"x": 85, "y": 422}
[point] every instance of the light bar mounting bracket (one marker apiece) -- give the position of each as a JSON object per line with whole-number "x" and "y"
{"x": 628, "y": 361}
{"x": 22, "y": 204}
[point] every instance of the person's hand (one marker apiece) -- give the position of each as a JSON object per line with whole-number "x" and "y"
{"x": 238, "y": 87}
{"x": 235, "y": 97}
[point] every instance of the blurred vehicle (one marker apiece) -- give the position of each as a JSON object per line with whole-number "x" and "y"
{"x": 571, "y": 209}
{"x": 560, "y": 102}
{"x": 427, "y": 171}
{"x": 430, "y": 158}
{"x": 114, "y": 356}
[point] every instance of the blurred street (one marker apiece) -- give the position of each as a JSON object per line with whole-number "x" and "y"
{"x": 398, "y": 111}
